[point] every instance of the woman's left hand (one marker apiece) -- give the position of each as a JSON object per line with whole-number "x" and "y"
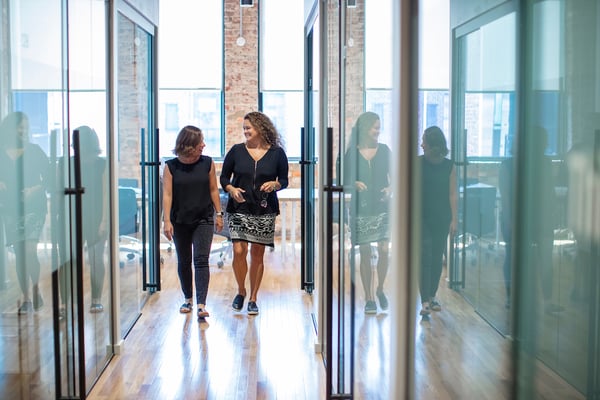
{"x": 219, "y": 223}
{"x": 268, "y": 187}
{"x": 453, "y": 226}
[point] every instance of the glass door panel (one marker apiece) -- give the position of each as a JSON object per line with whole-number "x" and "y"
{"x": 87, "y": 116}
{"x": 483, "y": 143}
{"x": 336, "y": 281}
{"x": 559, "y": 155}
{"x": 33, "y": 137}
{"x": 133, "y": 119}
{"x": 309, "y": 210}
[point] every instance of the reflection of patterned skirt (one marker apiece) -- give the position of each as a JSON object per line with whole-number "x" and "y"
{"x": 23, "y": 227}
{"x": 252, "y": 228}
{"x": 371, "y": 228}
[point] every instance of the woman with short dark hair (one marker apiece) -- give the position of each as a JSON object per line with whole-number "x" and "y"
{"x": 438, "y": 213}
{"x": 190, "y": 199}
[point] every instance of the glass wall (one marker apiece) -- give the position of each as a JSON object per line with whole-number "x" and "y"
{"x": 55, "y": 299}
{"x": 558, "y": 214}
{"x": 136, "y": 149}
{"x": 484, "y": 118}
{"x": 32, "y": 114}
{"x": 87, "y": 104}
{"x": 526, "y": 138}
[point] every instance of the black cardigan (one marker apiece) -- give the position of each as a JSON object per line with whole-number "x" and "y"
{"x": 240, "y": 170}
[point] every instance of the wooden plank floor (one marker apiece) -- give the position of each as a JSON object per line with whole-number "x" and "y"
{"x": 271, "y": 356}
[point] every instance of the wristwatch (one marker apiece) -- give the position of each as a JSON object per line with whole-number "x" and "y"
{"x": 219, "y": 213}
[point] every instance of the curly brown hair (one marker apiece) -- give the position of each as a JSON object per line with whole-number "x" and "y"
{"x": 265, "y": 128}
{"x": 188, "y": 138}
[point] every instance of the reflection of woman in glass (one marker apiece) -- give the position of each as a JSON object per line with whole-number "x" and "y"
{"x": 94, "y": 207}
{"x": 366, "y": 172}
{"x": 438, "y": 213}
{"x": 23, "y": 170}
{"x": 542, "y": 219}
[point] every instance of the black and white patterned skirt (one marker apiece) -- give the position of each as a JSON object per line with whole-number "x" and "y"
{"x": 252, "y": 228}
{"x": 370, "y": 229}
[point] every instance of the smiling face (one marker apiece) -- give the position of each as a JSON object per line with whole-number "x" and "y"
{"x": 253, "y": 136}
{"x": 23, "y": 130}
{"x": 197, "y": 152}
{"x": 374, "y": 131}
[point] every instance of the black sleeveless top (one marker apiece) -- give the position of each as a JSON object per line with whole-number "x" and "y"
{"x": 191, "y": 202}
{"x": 435, "y": 191}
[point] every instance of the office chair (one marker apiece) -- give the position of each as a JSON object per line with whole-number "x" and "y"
{"x": 225, "y": 249}
{"x": 128, "y": 223}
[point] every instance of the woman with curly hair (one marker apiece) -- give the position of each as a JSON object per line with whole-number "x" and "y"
{"x": 367, "y": 176}
{"x": 24, "y": 178}
{"x": 252, "y": 173}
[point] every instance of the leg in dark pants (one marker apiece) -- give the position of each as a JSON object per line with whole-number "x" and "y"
{"x": 182, "y": 237}
{"x": 192, "y": 244}
{"x": 433, "y": 242}
{"x": 507, "y": 265}
{"x": 201, "y": 242}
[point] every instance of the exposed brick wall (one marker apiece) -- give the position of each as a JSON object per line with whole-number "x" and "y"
{"x": 354, "y": 70}
{"x": 241, "y": 67}
{"x": 241, "y": 71}
{"x": 133, "y": 92}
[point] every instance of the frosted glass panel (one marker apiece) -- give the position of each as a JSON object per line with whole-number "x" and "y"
{"x": 493, "y": 49}
{"x": 378, "y": 44}
{"x": 547, "y": 33}
{"x": 281, "y": 43}
{"x": 35, "y": 45}
{"x": 191, "y": 44}
{"x": 434, "y": 44}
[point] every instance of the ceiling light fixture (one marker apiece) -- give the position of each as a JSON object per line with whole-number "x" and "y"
{"x": 240, "y": 40}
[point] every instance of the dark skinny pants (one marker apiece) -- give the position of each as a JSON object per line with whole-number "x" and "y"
{"x": 192, "y": 243}
{"x": 434, "y": 239}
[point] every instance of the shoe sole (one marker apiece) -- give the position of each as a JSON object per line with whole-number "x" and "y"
{"x": 371, "y": 312}
{"x": 252, "y": 312}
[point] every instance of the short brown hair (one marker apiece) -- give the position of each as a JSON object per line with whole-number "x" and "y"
{"x": 188, "y": 138}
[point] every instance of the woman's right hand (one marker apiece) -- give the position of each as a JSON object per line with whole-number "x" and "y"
{"x": 360, "y": 186}
{"x": 168, "y": 230}
{"x": 237, "y": 194}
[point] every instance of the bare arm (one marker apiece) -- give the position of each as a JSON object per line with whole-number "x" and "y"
{"x": 214, "y": 195}
{"x": 167, "y": 202}
{"x": 453, "y": 201}
{"x": 103, "y": 221}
